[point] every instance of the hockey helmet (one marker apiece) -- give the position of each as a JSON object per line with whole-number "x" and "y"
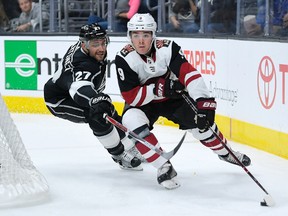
{"x": 142, "y": 22}
{"x": 92, "y": 31}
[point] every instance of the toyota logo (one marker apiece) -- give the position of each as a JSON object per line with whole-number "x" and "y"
{"x": 266, "y": 82}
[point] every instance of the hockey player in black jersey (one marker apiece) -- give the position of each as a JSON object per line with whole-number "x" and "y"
{"x": 75, "y": 93}
{"x": 152, "y": 74}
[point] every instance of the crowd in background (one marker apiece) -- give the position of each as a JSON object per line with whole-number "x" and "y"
{"x": 230, "y": 17}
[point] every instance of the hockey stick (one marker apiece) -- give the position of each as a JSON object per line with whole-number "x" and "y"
{"x": 166, "y": 155}
{"x": 267, "y": 200}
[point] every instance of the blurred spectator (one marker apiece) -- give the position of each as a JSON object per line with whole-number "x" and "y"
{"x": 249, "y": 7}
{"x": 4, "y": 21}
{"x": 255, "y": 25}
{"x": 251, "y": 27}
{"x": 280, "y": 10}
{"x": 74, "y": 8}
{"x": 222, "y": 17}
{"x": 124, "y": 10}
{"x": 94, "y": 18}
{"x": 249, "y": 22}
{"x": 11, "y": 8}
{"x": 147, "y": 6}
{"x": 79, "y": 13}
{"x": 29, "y": 18}
{"x": 284, "y": 30}
{"x": 182, "y": 16}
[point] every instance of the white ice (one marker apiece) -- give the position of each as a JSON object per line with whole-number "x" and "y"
{"x": 84, "y": 180}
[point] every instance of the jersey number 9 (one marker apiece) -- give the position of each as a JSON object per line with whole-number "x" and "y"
{"x": 121, "y": 73}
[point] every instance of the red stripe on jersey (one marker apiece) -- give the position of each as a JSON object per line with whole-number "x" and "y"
{"x": 143, "y": 96}
{"x": 129, "y": 96}
{"x": 192, "y": 78}
{"x": 185, "y": 68}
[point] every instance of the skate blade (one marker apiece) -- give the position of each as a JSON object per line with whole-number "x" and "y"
{"x": 170, "y": 184}
{"x": 138, "y": 168}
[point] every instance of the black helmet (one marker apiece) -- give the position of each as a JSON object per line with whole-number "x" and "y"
{"x": 91, "y": 31}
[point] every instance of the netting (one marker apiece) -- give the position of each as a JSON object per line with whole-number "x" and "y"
{"x": 19, "y": 178}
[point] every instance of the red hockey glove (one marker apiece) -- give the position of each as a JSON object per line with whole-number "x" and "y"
{"x": 101, "y": 104}
{"x": 206, "y": 112}
{"x": 168, "y": 88}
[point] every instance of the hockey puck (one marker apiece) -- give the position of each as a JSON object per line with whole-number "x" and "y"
{"x": 263, "y": 203}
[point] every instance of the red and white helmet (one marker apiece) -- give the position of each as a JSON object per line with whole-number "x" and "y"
{"x": 142, "y": 22}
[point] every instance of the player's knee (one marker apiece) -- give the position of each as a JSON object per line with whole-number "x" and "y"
{"x": 143, "y": 131}
{"x": 134, "y": 118}
{"x": 99, "y": 129}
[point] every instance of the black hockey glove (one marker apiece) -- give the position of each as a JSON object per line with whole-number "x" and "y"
{"x": 206, "y": 112}
{"x": 168, "y": 88}
{"x": 101, "y": 104}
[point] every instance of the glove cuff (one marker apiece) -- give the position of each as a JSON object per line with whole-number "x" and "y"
{"x": 159, "y": 87}
{"x": 101, "y": 97}
{"x": 206, "y": 104}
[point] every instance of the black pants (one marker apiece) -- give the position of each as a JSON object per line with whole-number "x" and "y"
{"x": 61, "y": 105}
{"x": 175, "y": 110}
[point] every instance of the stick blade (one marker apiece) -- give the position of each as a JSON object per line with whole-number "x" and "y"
{"x": 169, "y": 155}
{"x": 267, "y": 201}
{"x": 180, "y": 143}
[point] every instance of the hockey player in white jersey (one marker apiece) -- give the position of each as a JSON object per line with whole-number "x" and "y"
{"x": 75, "y": 93}
{"x": 152, "y": 74}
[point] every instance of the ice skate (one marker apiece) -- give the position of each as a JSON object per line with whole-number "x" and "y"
{"x": 242, "y": 157}
{"x": 127, "y": 161}
{"x": 134, "y": 151}
{"x": 166, "y": 176}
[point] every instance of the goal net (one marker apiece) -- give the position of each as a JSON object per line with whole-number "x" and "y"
{"x": 19, "y": 178}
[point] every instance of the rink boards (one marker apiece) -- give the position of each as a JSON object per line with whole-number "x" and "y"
{"x": 247, "y": 78}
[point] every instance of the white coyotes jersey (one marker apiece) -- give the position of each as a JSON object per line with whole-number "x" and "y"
{"x": 155, "y": 65}
{"x": 137, "y": 73}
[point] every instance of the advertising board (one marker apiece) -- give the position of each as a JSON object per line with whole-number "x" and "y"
{"x": 247, "y": 78}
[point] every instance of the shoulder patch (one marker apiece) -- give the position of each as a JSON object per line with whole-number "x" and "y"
{"x": 162, "y": 43}
{"x": 127, "y": 49}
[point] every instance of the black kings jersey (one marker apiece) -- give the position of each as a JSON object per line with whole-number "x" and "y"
{"x": 79, "y": 76}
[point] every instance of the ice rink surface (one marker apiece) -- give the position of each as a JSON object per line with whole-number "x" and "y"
{"x": 84, "y": 180}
